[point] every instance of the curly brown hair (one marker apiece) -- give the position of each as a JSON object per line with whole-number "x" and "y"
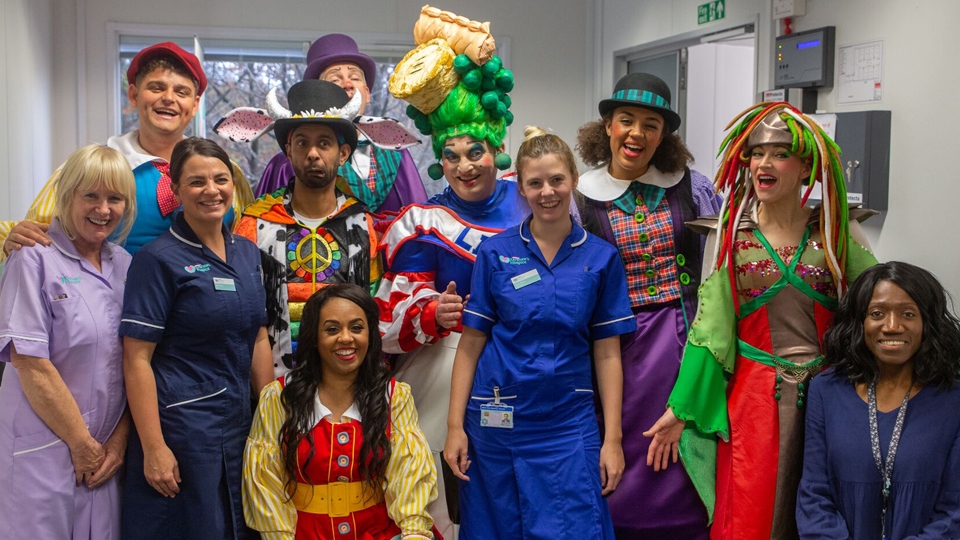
{"x": 593, "y": 145}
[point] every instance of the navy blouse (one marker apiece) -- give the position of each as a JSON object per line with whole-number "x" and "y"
{"x": 840, "y": 495}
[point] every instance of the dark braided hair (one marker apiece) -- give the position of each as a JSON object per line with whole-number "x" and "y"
{"x": 369, "y": 389}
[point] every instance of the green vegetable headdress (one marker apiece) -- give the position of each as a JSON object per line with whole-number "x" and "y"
{"x": 455, "y": 83}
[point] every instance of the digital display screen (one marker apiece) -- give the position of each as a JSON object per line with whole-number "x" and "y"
{"x": 808, "y": 44}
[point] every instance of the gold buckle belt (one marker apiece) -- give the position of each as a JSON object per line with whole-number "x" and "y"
{"x": 336, "y": 499}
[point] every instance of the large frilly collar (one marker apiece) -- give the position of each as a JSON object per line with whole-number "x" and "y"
{"x": 128, "y": 144}
{"x": 599, "y": 185}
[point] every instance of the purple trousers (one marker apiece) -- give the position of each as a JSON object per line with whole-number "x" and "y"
{"x": 652, "y": 505}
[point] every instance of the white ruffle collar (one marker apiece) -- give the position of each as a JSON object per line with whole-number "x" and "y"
{"x": 599, "y": 185}
{"x": 321, "y": 411}
{"x": 128, "y": 144}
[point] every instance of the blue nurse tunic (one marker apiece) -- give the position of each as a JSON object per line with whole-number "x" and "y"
{"x": 204, "y": 315}
{"x": 540, "y": 477}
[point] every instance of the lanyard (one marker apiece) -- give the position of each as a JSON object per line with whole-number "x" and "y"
{"x": 886, "y": 469}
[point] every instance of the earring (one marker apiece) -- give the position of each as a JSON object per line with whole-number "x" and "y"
{"x": 435, "y": 171}
{"x": 502, "y": 161}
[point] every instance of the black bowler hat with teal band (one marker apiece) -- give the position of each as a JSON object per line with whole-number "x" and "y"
{"x": 642, "y": 90}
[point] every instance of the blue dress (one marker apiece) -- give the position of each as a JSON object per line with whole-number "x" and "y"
{"x": 839, "y": 496}
{"x": 540, "y": 478}
{"x": 204, "y": 315}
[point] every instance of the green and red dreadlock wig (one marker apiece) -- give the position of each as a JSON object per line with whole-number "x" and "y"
{"x": 808, "y": 141}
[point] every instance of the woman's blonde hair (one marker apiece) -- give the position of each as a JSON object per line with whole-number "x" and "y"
{"x": 87, "y": 168}
{"x": 538, "y": 143}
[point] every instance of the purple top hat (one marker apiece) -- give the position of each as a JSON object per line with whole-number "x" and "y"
{"x": 336, "y": 49}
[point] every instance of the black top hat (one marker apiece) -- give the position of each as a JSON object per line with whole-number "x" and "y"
{"x": 318, "y": 102}
{"x": 642, "y": 90}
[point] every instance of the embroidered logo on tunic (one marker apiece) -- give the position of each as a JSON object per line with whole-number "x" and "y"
{"x": 514, "y": 260}
{"x": 197, "y": 268}
{"x": 66, "y": 280}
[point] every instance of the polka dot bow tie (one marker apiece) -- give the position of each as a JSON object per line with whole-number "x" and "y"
{"x": 165, "y": 198}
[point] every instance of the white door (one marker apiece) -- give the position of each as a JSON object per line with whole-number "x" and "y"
{"x": 710, "y": 81}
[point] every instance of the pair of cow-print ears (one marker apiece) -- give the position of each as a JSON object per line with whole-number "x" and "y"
{"x": 246, "y": 124}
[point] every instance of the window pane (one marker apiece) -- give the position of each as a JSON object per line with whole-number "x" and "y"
{"x": 246, "y": 84}
{"x": 241, "y": 76}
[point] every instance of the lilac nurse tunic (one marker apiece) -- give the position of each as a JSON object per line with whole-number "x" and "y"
{"x": 56, "y": 305}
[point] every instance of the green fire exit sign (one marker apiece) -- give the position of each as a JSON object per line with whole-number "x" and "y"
{"x": 711, "y": 11}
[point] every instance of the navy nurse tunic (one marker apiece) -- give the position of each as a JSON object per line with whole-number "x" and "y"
{"x": 540, "y": 478}
{"x": 204, "y": 315}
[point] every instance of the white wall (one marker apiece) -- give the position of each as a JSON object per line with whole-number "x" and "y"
{"x": 625, "y": 24}
{"x": 26, "y": 61}
{"x": 919, "y": 226}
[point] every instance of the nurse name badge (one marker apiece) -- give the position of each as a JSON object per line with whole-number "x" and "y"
{"x": 498, "y": 416}
{"x": 525, "y": 279}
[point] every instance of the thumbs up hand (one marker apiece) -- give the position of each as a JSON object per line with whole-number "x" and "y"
{"x": 449, "y": 307}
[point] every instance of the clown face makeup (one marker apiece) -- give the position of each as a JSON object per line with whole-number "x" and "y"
{"x": 468, "y": 165}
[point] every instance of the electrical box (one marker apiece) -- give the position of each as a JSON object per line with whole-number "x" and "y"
{"x": 805, "y": 59}
{"x": 789, "y": 8}
{"x": 864, "y": 140}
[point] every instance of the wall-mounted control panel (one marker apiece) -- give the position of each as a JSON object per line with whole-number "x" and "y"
{"x": 805, "y": 59}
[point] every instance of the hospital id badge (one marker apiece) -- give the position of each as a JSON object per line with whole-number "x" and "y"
{"x": 496, "y": 415}
{"x": 224, "y": 284}
{"x": 524, "y": 279}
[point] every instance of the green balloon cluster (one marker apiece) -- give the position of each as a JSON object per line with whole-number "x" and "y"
{"x": 420, "y": 120}
{"x": 491, "y": 82}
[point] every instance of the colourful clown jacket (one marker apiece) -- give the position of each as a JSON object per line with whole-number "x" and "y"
{"x": 297, "y": 260}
